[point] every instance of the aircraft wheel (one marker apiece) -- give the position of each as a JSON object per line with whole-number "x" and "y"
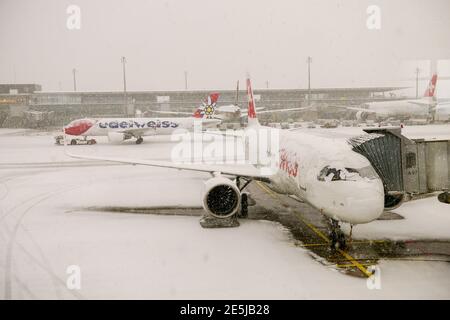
{"x": 139, "y": 140}
{"x": 73, "y": 142}
{"x": 337, "y": 239}
{"x": 244, "y": 205}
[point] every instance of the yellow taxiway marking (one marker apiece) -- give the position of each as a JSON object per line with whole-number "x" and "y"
{"x": 350, "y": 265}
{"x": 319, "y": 233}
{"x": 326, "y": 244}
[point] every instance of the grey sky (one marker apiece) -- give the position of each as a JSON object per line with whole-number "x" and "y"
{"x": 218, "y": 42}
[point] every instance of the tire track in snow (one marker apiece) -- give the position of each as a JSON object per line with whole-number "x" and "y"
{"x": 12, "y": 241}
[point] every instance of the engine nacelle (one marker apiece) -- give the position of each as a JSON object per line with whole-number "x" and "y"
{"x": 116, "y": 137}
{"x": 221, "y": 198}
{"x": 362, "y": 115}
{"x": 393, "y": 200}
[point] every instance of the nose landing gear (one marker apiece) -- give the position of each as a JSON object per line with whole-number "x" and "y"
{"x": 337, "y": 237}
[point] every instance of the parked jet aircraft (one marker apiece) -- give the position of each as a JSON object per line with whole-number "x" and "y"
{"x": 442, "y": 111}
{"x": 403, "y": 109}
{"x": 120, "y": 129}
{"x": 230, "y": 112}
{"x": 324, "y": 172}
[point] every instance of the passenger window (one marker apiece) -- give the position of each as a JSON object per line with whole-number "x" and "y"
{"x": 410, "y": 160}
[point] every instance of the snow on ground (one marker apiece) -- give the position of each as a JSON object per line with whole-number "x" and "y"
{"x": 423, "y": 219}
{"x": 46, "y": 226}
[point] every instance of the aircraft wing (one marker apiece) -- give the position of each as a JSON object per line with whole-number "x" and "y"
{"x": 356, "y": 109}
{"x": 136, "y": 132}
{"x": 284, "y": 110}
{"x": 245, "y": 171}
{"x": 173, "y": 112}
{"x": 244, "y": 111}
{"x": 424, "y": 104}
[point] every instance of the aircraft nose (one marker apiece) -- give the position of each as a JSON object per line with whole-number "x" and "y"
{"x": 366, "y": 203}
{"x": 78, "y": 127}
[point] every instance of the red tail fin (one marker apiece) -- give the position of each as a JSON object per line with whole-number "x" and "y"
{"x": 198, "y": 113}
{"x": 212, "y": 98}
{"x": 252, "y": 119}
{"x": 429, "y": 92}
{"x": 251, "y": 101}
{"x": 209, "y": 106}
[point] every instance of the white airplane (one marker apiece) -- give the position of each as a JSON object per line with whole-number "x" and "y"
{"x": 324, "y": 172}
{"x": 442, "y": 111}
{"x": 403, "y": 109}
{"x": 120, "y": 129}
{"x": 231, "y": 112}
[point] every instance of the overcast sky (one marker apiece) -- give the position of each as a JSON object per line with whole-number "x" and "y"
{"x": 217, "y": 42}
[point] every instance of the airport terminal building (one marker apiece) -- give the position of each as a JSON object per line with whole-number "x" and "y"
{"x": 26, "y": 105}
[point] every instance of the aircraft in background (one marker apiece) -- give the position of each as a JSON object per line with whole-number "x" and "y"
{"x": 120, "y": 129}
{"x": 402, "y": 109}
{"x": 442, "y": 111}
{"x": 324, "y": 172}
{"x": 230, "y": 112}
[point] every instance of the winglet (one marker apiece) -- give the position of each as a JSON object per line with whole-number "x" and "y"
{"x": 212, "y": 98}
{"x": 251, "y": 111}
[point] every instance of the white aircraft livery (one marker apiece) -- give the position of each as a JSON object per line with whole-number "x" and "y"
{"x": 404, "y": 109}
{"x": 324, "y": 172}
{"x": 120, "y": 129}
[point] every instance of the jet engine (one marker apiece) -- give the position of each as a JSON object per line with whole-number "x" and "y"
{"x": 393, "y": 200}
{"x": 116, "y": 137}
{"x": 221, "y": 198}
{"x": 362, "y": 115}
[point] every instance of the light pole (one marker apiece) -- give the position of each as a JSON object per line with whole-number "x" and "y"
{"x": 74, "y": 72}
{"x": 124, "y": 61}
{"x": 417, "y": 82}
{"x": 185, "y": 80}
{"x": 309, "y": 60}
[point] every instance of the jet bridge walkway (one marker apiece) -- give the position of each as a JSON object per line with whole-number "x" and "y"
{"x": 406, "y": 166}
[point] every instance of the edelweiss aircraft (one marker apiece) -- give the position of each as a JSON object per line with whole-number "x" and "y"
{"x": 120, "y": 129}
{"x": 403, "y": 109}
{"x": 324, "y": 172}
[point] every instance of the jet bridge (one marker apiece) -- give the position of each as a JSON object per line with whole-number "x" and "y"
{"x": 406, "y": 166}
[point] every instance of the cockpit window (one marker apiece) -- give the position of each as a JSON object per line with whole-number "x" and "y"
{"x": 346, "y": 174}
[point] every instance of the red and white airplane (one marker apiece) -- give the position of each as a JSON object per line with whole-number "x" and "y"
{"x": 120, "y": 129}
{"x": 324, "y": 172}
{"x": 403, "y": 109}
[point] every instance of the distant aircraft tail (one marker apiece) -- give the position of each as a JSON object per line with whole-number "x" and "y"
{"x": 251, "y": 111}
{"x": 208, "y": 108}
{"x": 430, "y": 91}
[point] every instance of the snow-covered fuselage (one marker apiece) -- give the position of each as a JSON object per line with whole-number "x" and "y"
{"x": 328, "y": 175}
{"x": 400, "y": 109}
{"x": 442, "y": 112}
{"x": 135, "y": 126}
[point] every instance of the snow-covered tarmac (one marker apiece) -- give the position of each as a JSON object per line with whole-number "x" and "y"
{"x": 46, "y": 226}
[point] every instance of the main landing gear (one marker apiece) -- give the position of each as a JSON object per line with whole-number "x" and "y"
{"x": 244, "y": 205}
{"x": 337, "y": 237}
{"x": 243, "y": 213}
{"x": 139, "y": 140}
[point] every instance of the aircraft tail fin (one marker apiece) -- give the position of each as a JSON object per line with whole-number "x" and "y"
{"x": 430, "y": 91}
{"x": 251, "y": 110}
{"x": 208, "y": 108}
